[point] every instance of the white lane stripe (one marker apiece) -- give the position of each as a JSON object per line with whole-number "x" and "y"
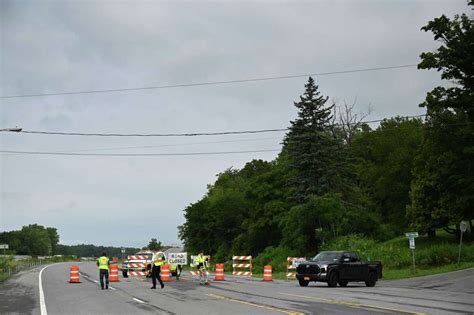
{"x": 41, "y": 292}
{"x": 96, "y": 281}
{"x": 112, "y": 288}
{"x": 139, "y": 301}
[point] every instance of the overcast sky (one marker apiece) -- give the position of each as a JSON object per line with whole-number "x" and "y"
{"x": 60, "y": 46}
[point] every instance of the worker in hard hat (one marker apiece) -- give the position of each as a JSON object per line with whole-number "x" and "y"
{"x": 103, "y": 265}
{"x": 157, "y": 263}
{"x": 201, "y": 262}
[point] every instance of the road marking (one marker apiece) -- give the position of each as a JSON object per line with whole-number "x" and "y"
{"x": 353, "y": 304}
{"x": 138, "y": 300}
{"x": 271, "y": 308}
{"x": 112, "y": 288}
{"x": 41, "y": 292}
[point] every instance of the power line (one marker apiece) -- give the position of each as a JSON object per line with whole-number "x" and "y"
{"x": 209, "y": 83}
{"x": 154, "y": 134}
{"x": 172, "y": 144}
{"x": 136, "y": 154}
{"x": 187, "y": 134}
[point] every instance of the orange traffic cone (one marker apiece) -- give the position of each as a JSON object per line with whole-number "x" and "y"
{"x": 267, "y": 273}
{"x": 219, "y": 272}
{"x": 113, "y": 276}
{"x": 165, "y": 272}
{"x": 74, "y": 275}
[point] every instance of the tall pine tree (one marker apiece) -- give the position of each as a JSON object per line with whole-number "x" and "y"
{"x": 316, "y": 156}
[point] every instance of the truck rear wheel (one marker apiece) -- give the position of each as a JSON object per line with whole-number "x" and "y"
{"x": 371, "y": 280}
{"x": 333, "y": 279}
{"x": 343, "y": 283}
{"x": 303, "y": 283}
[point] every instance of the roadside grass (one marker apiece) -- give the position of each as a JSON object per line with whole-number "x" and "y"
{"x": 8, "y": 266}
{"x": 396, "y": 274}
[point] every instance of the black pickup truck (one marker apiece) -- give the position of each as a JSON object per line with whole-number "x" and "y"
{"x": 339, "y": 267}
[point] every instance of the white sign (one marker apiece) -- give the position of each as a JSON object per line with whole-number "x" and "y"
{"x": 298, "y": 261}
{"x": 178, "y": 258}
{"x": 411, "y": 234}
{"x": 463, "y": 226}
{"x": 3, "y": 246}
{"x": 412, "y": 243}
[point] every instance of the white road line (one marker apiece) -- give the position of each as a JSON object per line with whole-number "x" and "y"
{"x": 41, "y": 292}
{"x": 112, "y": 288}
{"x": 139, "y": 301}
{"x": 96, "y": 281}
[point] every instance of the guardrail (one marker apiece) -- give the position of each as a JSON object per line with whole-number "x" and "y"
{"x": 19, "y": 265}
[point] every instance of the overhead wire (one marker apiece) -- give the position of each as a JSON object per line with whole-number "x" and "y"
{"x": 208, "y": 83}
{"x": 194, "y": 134}
{"x": 136, "y": 154}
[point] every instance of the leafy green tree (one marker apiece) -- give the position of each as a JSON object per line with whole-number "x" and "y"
{"x": 315, "y": 154}
{"x": 154, "y": 245}
{"x": 34, "y": 240}
{"x": 442, "y": 191}
{"x": 53, "y": 238}
{"x": 384, "y": 160}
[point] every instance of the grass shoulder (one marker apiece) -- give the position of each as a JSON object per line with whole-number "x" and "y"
{"x": 397, "y": 274}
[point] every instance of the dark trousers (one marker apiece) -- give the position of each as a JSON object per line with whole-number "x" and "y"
{"x": 155, "y": 274}
{"x": 104, "y": 273}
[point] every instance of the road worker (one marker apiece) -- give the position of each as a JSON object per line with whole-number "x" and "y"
{"x": 158, "y": 261}
{"x": 202, "y": 263}
{"x": 103, "y": 264}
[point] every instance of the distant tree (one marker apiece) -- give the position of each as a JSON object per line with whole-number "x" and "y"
{"x": 53, "y": 238}
{"x": 34, "y": 240}
{"x": 154, "y": 245}
{"x": 442, "y": 191}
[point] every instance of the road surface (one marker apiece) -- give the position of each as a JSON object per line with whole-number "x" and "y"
{"x": 25, "y": 293}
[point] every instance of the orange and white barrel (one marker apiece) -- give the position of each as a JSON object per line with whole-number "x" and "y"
{"x": 113, "y": 273}
{"x": 267, "y": 273}
{"x": 165, "y": 272}
{"x": 74, "y": 275}
{"x": 219, "y": 272}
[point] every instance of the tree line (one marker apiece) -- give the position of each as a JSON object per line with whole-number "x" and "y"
{"x": 37, "y": 240}
{"x": 334, "y": 179}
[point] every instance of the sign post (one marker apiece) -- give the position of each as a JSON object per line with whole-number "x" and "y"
{"x": 462, "y": 227}
{"x": 411, "y": 239}
{"x": 123, "y": 253}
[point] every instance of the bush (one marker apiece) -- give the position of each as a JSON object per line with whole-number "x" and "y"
{"x": 397, "y": 255}
{"x": 6, "y": 262}
{"x": 274, "y": 256}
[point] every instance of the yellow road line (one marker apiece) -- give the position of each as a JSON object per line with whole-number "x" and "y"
{"x": 353, "y": 304}
{"x": 271, "y": 308}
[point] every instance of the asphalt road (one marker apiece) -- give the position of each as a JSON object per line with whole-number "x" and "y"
{"x": 444, "y": 294}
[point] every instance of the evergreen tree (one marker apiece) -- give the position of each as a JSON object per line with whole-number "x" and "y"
{"x": 316, "y": 156}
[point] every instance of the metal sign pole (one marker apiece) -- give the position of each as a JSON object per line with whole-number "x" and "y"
{"x": 460, "y": 244}
{"x": 413, "y": 254}
{"x": 462, "y": 228}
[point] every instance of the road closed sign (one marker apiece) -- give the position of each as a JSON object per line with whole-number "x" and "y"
{"x": 178, "y": 258}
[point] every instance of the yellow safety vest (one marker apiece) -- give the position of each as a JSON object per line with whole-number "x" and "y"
{"x": 159, "y": 262}
{"x": 103, "y": 263}
{"x": 199, "y": 259}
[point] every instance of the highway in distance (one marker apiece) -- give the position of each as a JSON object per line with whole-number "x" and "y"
{"x": 46, "y": 290}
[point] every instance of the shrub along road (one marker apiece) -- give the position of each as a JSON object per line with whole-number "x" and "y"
{"x": 440, "y": 294}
